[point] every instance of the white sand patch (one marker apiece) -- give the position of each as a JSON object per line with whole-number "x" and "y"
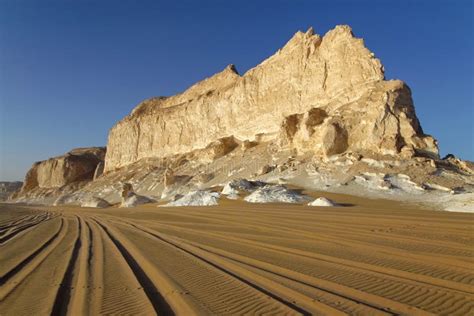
{"x": 197, "y": 198}
{"x": 403, "y": 182}
{"x": 457, "y": 202}
{"x": 275, "y": 194}
{"x": 322, "y": 201}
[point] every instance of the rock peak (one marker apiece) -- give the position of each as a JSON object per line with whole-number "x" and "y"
{"x": 339, "y": 31}
{"x": 231, "y": 68}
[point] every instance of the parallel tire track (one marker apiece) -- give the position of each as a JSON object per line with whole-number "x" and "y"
{"x": 283, "y": 295}
{"x": 223, "y": 262}
{"x": 22, "y": 227}
{"x": 387, "y": 272}
{"x": 63, "y": 295}
{"x": 194, "y": 262}
{"x": 18, "y": 273}
{"x": 174, "y": 301}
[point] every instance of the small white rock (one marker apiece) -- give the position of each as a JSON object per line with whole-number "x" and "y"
{"x": 197, "y": 198}
{"x": 322, "y": 201}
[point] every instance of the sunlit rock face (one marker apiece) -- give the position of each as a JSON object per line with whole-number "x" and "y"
{"x": 75, "y": 166}
{"x": 325, "y": 95}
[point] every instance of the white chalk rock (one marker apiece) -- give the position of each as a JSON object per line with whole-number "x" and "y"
{"x": 322, "y": 201}
{"x": 234, "y": 187}
{"x": 197, "y": 198}
{"x": 275, "y": 194}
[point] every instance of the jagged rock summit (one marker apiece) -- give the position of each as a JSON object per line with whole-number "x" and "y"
{"x": 325, "y": 95}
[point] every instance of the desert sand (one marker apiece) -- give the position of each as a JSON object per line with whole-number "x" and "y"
{"x": 366, "y": 257}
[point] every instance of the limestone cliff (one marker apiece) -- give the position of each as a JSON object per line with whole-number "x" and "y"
{"x": 322, "y": 94}
{"x": 78, "y": 165}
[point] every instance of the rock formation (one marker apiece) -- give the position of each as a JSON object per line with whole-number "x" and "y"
{"x": 74, "y": 167}
{"x": 9, "y": 188}
{"x": 318, "y": 114}
{"x": 321, "y": 94}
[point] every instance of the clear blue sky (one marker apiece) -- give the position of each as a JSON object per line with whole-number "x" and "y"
{"x": 70, "y": 69}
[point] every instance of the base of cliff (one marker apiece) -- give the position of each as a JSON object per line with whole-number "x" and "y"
{"x": 446, "y": 184}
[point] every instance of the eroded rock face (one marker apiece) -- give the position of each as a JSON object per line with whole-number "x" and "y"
{"x": 333, "y": 82}
{"x": 380, "y": 121}
{"x": 99, "y": 170}
{"x": 75, "y": 166}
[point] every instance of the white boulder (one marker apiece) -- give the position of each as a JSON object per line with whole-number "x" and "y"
{"x": 322, "y": 201}
{"x": 197, "y": 198}
{"x": 234, "y": 187}
{"x": 275, "y": 194}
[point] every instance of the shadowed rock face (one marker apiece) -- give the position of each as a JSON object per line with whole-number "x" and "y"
{"x": 76, "y": 165}
{"x": 334, "y": 79}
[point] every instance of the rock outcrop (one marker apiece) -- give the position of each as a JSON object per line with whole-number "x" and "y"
{"x": 74, "y": 167}
{"x": 321, "y": 94}
{"x": 9, "y": 188}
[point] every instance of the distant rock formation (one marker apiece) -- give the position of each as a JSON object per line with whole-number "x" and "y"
{"x": 325, "y": 95}
{"x": 71, "y": 169}
{"x": 9, "y": 188}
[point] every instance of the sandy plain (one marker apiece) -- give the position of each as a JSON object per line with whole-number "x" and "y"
{"x": 370, "y": 257}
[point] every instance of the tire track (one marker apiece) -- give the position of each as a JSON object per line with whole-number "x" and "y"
{"x": 121, "y": 292}
{"x": 386, "y": 272}
{"x": 317, "y": 282}
{"x": 388, "y": 252}
{"x": 283, "y": 295}
{"x": 150, "y": 282}
{"x": 79, "y": 294}
{"x": 63, "y": 295}
{"x": 244, "y": 262}
{"x": 95, "y": 271}
{"x": 18, "y": 273}
{"x": 360, "y": 266}
{"x": 237, "y": 294}
{"x": 4, "y": 278}
{"x": 15, "y": 230}
{"x": 369, "y": 283}
{"x": 217, "y": 260}
{"x": 14, "y": 221}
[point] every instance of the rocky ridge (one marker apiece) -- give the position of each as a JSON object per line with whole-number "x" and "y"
{"x": 324, "y": 94}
